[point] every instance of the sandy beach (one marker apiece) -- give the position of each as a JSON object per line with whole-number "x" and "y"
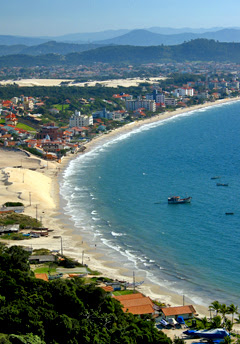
{"x": 35, "y": 182}
{"x": 57, "y": 82}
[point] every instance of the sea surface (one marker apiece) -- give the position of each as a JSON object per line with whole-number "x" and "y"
{"x": 117, "y": 195}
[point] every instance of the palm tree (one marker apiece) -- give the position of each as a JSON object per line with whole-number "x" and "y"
{"x": 204, "y": 322}
{"x": 224, "y": 310}
{"x": 237, "y": 319}
{"x": 232, "y": 310}
{"x": 215, "y": 305}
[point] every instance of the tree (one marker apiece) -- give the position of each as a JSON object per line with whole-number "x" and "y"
{"x": 204, "y": 322}
{"x": 232, "y": 310}
{"x": 215, "y": 305}
{"x": 216, "y": 321}
{"x": 228, "y": 325}
{"x": 224, "y": 310}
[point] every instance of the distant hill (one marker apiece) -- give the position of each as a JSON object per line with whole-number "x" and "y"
{"x": 147, "y": 38}
{"x": 47, "y": 48}
{"x": 88, "y": 37}
{"x": 16, "y": 40}
{"x": 195, "y": 50}
{"x": 174, "y": 31}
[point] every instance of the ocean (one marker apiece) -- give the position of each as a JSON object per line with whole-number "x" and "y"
{"x": 116, "y": 195}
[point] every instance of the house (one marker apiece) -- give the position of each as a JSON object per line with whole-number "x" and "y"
{"x": 108, "y": 288}
{"x": 42, "y": 258}
{"x": 136, "y": 304}
{"x": 43, "y": 277}
{"x": 11, "y": 119}
{"x": 186, "y": 312}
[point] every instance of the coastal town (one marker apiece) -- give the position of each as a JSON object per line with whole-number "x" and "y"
{"x": 38, "y": 139}
{"x": 51, "y": 130}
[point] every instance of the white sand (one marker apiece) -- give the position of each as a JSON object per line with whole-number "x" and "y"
{"x": 43, "y": 185}
{"x": 56, "y": 82}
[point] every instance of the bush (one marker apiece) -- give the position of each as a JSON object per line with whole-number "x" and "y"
{"x": 13, "y": 204}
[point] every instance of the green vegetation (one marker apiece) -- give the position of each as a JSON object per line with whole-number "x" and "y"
{"x": 24, "y": 221}
{"x": 25, "y": 127}
{"x": 14, "y": 236}
{"x": 123, "y": 292}
{"x": 13, "y": 204}
{"x": 194, "y": 50}
{"x": 46, "y": 269}
{"x": 61, "y": 107}
{"x": 63, "y": 311}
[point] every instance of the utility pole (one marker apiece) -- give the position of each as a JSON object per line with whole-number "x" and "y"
{"x": 82, "y": 256}
{"x": 183, "y": 300}
{"x": 134, "y": 281}
{"x": 30, "y": 201}
{"x": 36, "y": 212}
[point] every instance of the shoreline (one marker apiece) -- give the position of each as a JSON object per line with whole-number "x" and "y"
{"x": 46, "y": 199}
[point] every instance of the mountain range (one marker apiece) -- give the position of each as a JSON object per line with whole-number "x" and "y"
{"x": 195, "y": 50}
{"x": 125, "y": 36}
{"x": 10, "y": 45}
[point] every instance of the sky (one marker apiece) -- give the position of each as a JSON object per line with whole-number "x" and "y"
{"x": 59, "y": 17}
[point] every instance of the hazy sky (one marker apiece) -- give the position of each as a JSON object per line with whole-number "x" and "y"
{"x": 58, "y": 17}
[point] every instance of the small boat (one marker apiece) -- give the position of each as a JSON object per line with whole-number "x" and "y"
{"x": 221, "y": 184}
{"x": 215, "y": 177}
{"x": 229, "y": 213}
{"x": 178, "y": 200}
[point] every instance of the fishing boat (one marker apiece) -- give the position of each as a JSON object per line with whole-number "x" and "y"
{"x": 215, "y": 177}
{"x": 221, "y": 184}
{"x": 178, "y": 200}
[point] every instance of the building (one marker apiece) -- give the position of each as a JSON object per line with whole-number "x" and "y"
{"x": 78, "y": 120}
{"x": 149, "y": 105}
{"x": 186, "y": 312}
{"x": 158, "y": 97}
{"x": 103, "y": 114}
{"x": 184, "y": 92}
{"x": 11, "y": 119}
{"x": 136, "y": 304}
{"x": 170, "y": 102}
{"x": 51, "y": 131}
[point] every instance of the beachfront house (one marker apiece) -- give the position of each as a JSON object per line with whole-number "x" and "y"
{"x": 137, "y": 304}
{"x": 187, "y": 312}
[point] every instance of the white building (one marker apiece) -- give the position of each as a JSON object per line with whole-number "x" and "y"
{"x": 78, "y": 120}
{"x": 132, "y": 105}
{"x": 184, "y": 92}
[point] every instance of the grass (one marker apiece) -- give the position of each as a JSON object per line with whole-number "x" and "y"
{"x": 93, "y": 272}
{"x": 123, "y": 292}
{"x": 14, "y": 236}
{"x": 45, "y": 270}
{"x": 60, "y": 106}
{"x": 24, "y": 221}
{"x": 25, "y": 127}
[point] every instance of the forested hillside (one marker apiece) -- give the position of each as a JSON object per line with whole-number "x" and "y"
{"x": 62, "y": 311}
{"x": 195, "y": 50}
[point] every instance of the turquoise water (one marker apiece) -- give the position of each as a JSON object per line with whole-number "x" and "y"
{"x": 117, "y": 197}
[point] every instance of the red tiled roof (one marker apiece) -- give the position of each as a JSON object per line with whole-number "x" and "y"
{"x": 42, "y": 276}
{"x": 169, "y": 311}
{"x": 108, "y": 288}
{"x": 146, "y": 309}
{"x": 136, "y": 303}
